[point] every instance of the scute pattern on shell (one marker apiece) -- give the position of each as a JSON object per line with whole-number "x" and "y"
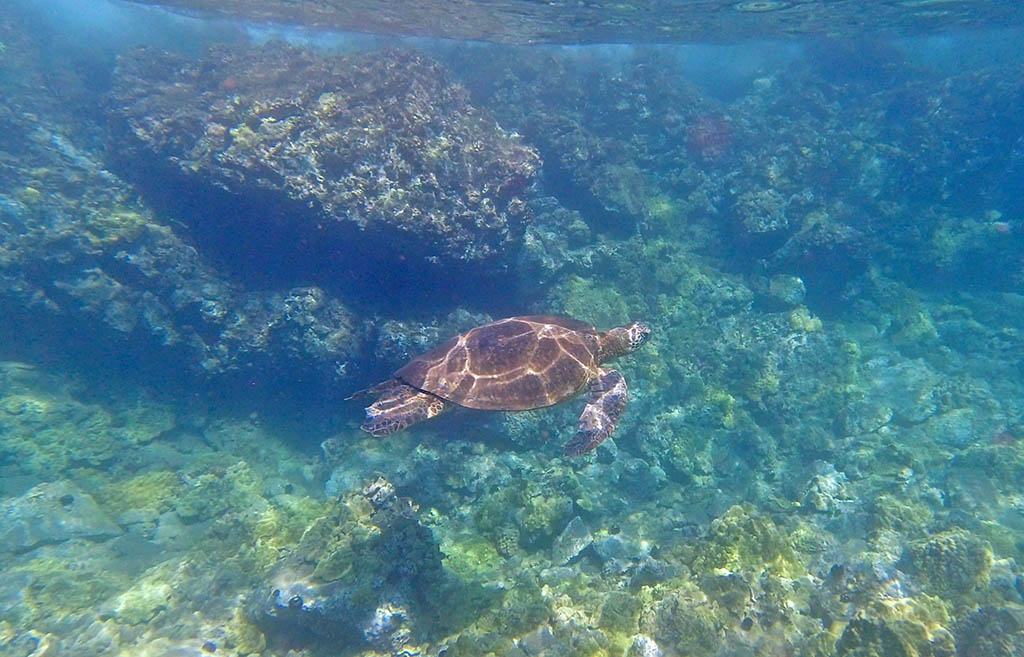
{"x": 513, "y": 364}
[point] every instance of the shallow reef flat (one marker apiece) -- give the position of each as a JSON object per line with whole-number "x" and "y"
{"x": 823, "y": 449}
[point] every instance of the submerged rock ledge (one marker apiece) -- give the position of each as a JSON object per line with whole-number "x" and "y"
{"x": 324, "y": 165}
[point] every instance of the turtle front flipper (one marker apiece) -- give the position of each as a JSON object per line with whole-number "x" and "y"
{"x": 604, "y": 407}
{"x": 398, "y": 407}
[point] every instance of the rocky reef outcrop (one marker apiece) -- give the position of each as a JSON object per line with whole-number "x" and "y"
{"x": 81, "y": 257}
{"x": 324, "y": 167}
{"x": 753, "y": 179}
{"x": 366, "y": 574}
{"x": 84, "y": 263}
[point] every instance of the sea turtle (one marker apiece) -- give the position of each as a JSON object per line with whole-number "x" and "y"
{"x": 513, "y": 364}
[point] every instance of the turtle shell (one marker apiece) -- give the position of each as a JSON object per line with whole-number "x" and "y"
{"x": 513, "y": 364}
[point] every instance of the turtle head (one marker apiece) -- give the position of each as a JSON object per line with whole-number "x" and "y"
{"x": 623, "y": 340}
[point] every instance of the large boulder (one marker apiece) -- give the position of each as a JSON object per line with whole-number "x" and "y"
{"x": 341, "y": 165}
{"x": 368, "y": 572}
{"x": 52, "y": 513}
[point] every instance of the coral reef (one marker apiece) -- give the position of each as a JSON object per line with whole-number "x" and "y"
{"x": 824, "y": 445}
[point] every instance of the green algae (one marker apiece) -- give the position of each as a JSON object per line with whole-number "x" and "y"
{"x": 523, "y": 608}
{"x": 724, "y": 407}
{"x": 214, "y": 493}
{"x": 59, "y": 588}
{"x": 899, "y": 514}
{"x": 337, "y": 540}
{"x": 731, "y": 591}
{"x": 952, "y": 563}
{"x": 47, "y": 434}
{"x": 116, "y": 225}
{"x": 544, "y": 513}
{"x": 148, "y": 596}
{"x": 156, "y": 491}
{"x": 620, "y": 612}
{"x": 801, "y": 319}
{"x": 529, "y": 511}
{"x": 867, "y": 638}
{"x": 280, "y": 527}
{"x": 929, "y": 611}
{"x": 473, "y": 558}
{"x": 471, "y": 644}
{"x": 593, "y": 302}
{"x": 689, "y": 627}
{"x": 820, "y": 644}
{"x": 746, "y": 540}
{"x": 244, "y": 635}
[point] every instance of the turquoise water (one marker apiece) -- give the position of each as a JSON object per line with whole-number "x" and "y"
{"x": 214, "y": 231}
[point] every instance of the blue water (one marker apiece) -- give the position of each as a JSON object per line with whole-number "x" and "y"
{"x": 219, "y": 234}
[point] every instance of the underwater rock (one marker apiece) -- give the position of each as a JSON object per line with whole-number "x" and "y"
{"x": 642, "y": 478}
{"x": 575, "y": 538}
{"x": 744, "y": 538}
{"x": 731, "y": 591}
{"x": 34, "y": 643}
{"x": 631, "y": 561}
{"x": 643, "y": 646}
{"x": 341, "y": 163}
{"x": 951, "y": 563}
{"x": 149, "y": 595}
{"x": 606, "y": 158}
{"x": 789, "y": 291}
{"x": 89, "y": 266}
{"x": 827, "y": 257}
{"x": 557, "y": 240}
{"x": 902, "y": 392}
{"x": 619, "y": 612}
{"x": 542, "y": 511}
{"x": 821, "y": 179}
{"x": 959, "y": 428}
{"x": 649, "y": 572}
{"x": 864, "y": 637}
{"x": 52, "y": 513}
{"x": 368, "y": 573}
{"x": 397, "y": 342}
{"x": 538, "y": 641}
{"x": 617, "y": 547}
{"x": 826, "y": 492}
{"x": 170, "y": 531}
{"x": 685, "y": 626}
{"x": 301, "y": 611}
{"x": 991, "y": 632}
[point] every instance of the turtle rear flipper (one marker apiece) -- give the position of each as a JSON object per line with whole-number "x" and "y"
{"x": 400, "y": 406}
{"x": 601, "y": 414}
{"x": 383, "y": 386}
